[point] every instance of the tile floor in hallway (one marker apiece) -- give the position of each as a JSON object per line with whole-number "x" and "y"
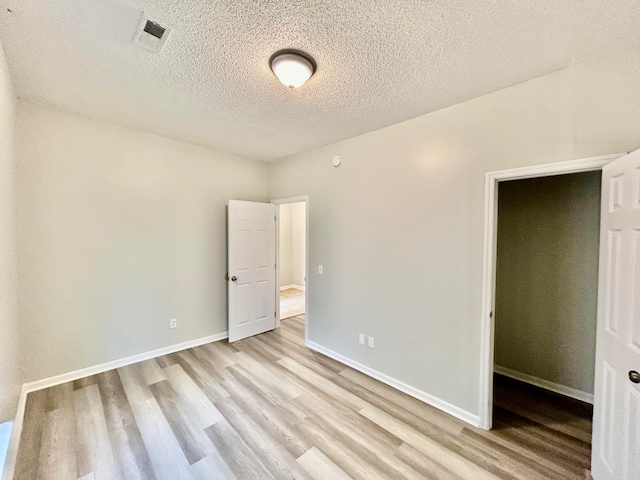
{"x": 291, "y": 303}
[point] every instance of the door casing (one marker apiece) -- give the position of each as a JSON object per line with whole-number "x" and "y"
{"x": 489, "y": 260}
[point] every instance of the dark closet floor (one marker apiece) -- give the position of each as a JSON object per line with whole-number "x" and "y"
{"x": 551, "y": 425}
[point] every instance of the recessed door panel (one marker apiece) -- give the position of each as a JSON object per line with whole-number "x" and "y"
{"x": 242, "y": 215}
{"x": 616, "y": 193}
{"x": 264, "y": 218}
{"x": 632, "y": 453}
{"x": 244, "y": 253}
{"x": 613, "y": 280}
{"x": 636, "y": 194}
{"x": 262, "y": 250}
{"x": 242, "y": 304}
{"x": 635, "y": 282}
{"x": 608, "y": 415}
{"x": 263, "y": 293}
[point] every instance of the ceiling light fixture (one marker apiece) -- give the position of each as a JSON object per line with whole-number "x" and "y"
{"x": 292, "y": 67}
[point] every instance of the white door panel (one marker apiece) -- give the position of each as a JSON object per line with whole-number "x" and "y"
{"x": 632, "y": 440}
{"x": 252, "y": 257}
{"x": 616, "y": 420}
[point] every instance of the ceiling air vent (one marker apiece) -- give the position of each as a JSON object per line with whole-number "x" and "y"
{"x": 150, "y": 34}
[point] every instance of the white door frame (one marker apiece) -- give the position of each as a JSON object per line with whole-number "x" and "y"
{"x": 489, "y": 261}
{"x": 278, "y": 202}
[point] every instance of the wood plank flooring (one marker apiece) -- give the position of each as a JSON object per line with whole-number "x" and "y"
{"x": 269, "y": 408}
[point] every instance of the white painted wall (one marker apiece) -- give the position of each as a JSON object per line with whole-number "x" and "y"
{"x": 285, "y": 257}
{"x": 547, "y": 278}
{"x": 399, "y": 226}
{"x": 298, "y": 239}
{"x": 120, "y": 231}
{"x": 293, "y": 232}
{"x": 10, "y": 374}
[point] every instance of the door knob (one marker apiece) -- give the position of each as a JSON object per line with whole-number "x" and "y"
{"x": 634, "y": 376}
{"x": 234, "y": 278}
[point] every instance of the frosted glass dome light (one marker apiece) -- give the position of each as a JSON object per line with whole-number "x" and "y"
{"x": 292, "y": 68}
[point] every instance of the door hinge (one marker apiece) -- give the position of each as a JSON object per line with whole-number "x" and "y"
{"x": 274, "y": 218}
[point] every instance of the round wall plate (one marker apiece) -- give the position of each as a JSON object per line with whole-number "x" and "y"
{"x": 337, "y": 161}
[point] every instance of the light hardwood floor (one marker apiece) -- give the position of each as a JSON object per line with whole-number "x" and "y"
{"x": 269, "y": 408}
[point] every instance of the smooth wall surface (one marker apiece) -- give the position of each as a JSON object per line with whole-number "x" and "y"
{"x": 292, "y": 243}
{"x": 10, "y": 372}
{"x": 298, "y": 240}
{"x": 120, "y": 231}
{"x": 285, "y": 256}
{"x": 547, "y": 277}
{"x": 399, "y": 226}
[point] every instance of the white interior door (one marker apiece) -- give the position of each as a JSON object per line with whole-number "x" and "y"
{"x": 616, "y": 420}
{"x": 252, "y": 268}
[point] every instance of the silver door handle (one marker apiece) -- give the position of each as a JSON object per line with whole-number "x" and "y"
{"x": 634, "y": 376}
{"x": 234, "y": 278}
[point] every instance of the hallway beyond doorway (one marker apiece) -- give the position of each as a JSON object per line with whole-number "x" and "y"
{"x": 291, "y": 302}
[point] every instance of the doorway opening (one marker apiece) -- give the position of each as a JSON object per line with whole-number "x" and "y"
{"x": 291, "y": 265}
{"x": 292, "y": 255}
{"x": 545, "y": 311}
{"x": 492, "y": 181}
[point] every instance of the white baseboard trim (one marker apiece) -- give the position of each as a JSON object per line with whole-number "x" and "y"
{"x": 86, "y": 372}
{"x": 546, "y": 384}
{"x": 122, "y": 362}
{"x": 398, "y": 385}
{"x": 296, "y": 287}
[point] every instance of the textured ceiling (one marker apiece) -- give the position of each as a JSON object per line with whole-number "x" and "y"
{"x": 379, "y": 61}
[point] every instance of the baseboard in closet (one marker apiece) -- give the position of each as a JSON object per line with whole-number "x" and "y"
{"x": 546, "y": 384}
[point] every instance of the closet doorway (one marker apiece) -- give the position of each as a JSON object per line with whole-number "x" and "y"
{"x": 492, "y": 182}
{"x": 545, "y": 315}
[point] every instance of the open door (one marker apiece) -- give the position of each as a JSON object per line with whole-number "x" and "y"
{"x": 616, "y": 419}
{"x": 251, "y": 268}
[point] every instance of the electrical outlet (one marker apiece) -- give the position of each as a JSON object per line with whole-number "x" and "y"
{"x": 320, "y": 269}
{"x": 371, "y": 342}
{"x": 361, "y": 339}
{"x": 173, "y": 323}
